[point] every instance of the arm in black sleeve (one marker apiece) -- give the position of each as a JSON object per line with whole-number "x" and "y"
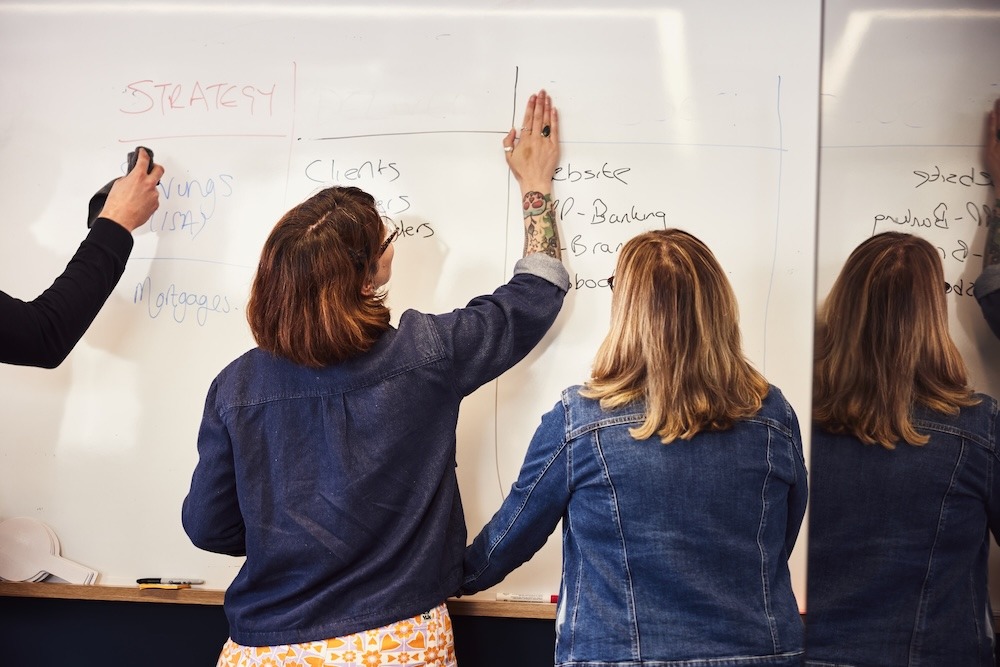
{"x": 42, "y": 332}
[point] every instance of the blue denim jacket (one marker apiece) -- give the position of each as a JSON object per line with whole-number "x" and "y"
{"x": 672, "y": 554}
{"x": 338, "y": 483}
{"x": 898, "y": 545}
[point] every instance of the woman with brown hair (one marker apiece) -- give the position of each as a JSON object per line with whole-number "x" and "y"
{"x": 327, "y": 454}
{"x": 904, "y": 458}
{"x": 677, "y": 472}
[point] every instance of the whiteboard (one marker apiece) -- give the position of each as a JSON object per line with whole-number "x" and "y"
{"x": 906, "y": 93}
{"x": 674, "y": 114}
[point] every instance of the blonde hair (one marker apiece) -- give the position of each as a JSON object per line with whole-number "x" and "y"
{"x": 882, "y": 344}
{"x": 675, "y": 341}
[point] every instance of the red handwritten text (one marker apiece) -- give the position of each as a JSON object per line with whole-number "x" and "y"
{"x": 150, "y": 96}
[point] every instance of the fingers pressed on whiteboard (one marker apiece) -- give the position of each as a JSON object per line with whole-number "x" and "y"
{"x": 529, "y": 112}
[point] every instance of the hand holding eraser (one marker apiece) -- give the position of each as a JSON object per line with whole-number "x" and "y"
{"x": 101, "y": 196}
{"x": 133, "y": 158}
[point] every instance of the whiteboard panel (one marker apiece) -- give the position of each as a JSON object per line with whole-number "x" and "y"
{"x": 674, "y": 114}
{"x": 906, "y": 93}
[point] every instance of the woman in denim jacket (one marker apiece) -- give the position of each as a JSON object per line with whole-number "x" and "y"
{"x": 904, "y": 472}
{"x": 327, "y": 454}
{"x": 678, "y": 474}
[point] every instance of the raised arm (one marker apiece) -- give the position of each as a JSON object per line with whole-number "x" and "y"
{"x": 43, "y": 331}
{"x": 533, "y": 157}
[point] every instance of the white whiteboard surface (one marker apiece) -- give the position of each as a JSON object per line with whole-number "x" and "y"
{"x": 674, "y": 114}
{"x": 906, "y": 93}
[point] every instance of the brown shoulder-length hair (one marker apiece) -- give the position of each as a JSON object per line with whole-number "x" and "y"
{"x": 675, "y": 341}
{"x": 308, "y": 302}
{"x": 882, "y": 344}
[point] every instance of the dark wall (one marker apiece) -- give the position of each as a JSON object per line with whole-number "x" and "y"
{"x": 39, "y": 632}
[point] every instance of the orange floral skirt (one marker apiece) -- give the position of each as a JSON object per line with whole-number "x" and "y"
{"x": 424, "y": 640}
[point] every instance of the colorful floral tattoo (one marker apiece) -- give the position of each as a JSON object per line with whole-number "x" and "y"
{"x": 540, "y": 233}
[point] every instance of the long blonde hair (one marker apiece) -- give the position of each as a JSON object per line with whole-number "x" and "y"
{"x": 882, "y": 344}
{"x": 674, "y": 341}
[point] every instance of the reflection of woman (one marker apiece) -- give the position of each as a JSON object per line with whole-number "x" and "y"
{"x": 905, "y": 474}
{"x": 677, "y": 472}
{"x": 327, "y": 454}
{"x": 988, "y": 282}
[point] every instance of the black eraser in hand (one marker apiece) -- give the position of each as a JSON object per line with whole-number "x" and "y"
{"x": 97, "y": 201}
{"x": 133, "y": 157}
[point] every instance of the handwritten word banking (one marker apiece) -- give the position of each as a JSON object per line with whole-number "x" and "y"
{"x": 599, "y": 213}
{"x": 178, "y": 303}
{"x": 168, "y": 97}
{"x": 976, "y": 214}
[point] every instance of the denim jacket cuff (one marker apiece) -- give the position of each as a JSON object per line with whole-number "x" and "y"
{"x": 988, "y": 281}
{"x": 546, "y": 267}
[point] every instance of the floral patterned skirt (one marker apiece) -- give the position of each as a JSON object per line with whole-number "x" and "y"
{"x": 424, "y": 640}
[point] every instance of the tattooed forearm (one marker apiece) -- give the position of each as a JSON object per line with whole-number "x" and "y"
{"x": 540, "y": 233}
{"x": 991, "y": 253}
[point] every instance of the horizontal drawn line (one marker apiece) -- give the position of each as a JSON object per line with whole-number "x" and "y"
{"x": 192, "y": 259}
{"x": 400, "y": 134}
{"x": 824, "y": 146}
{"x": 753, "y": 147}
{"x": 204, "y": 136}
{"x": 496, "y": 132}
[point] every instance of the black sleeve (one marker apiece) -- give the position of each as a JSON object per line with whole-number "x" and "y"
{"x": 44, "y": 331}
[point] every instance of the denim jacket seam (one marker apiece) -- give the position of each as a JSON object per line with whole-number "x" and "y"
{"x": 632, "y": 618}
{"x": 726, "y": 661}
{"x": 771, "y": 423}
{"x": 919, "y": 621}
{"x": 953, "y": 430}
{"x": 584, "y": 429}
{"x": 369, "y": 381}
{"x": 772, "y": 624}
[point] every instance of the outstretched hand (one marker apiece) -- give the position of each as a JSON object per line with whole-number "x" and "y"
{"x": 134, "y": 197}
{"x": 533, "y": 155}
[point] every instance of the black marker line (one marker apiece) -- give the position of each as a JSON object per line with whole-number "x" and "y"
{"x": 874, "y": 146}
{"x": 777, "y": 226}
{"x": 506, "y": 250}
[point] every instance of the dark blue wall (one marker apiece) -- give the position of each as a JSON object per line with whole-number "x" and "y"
{"x": 41, "y": 632}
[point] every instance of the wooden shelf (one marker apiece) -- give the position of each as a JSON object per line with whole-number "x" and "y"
{"x": 457, "y": 607}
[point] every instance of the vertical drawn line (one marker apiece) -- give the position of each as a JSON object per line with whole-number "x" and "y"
{"x": 777, "y": 226}
{"x": 506, "y": 252}
{"x": 291, "y": 134}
